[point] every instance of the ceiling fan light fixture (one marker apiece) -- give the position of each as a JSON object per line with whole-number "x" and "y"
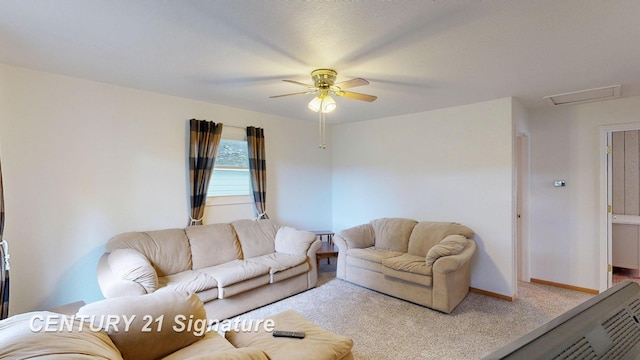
{"x": 328, "y": 104}
{"x": 322, "y": 102}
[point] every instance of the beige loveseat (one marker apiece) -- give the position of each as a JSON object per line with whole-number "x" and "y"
{"x": 233, "y": 268}
{"x": 166, "y": 325}
{"x": 427, "y": 263}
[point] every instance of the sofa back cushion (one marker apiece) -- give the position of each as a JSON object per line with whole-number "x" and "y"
{"x": 167, "y": 250}
{"x": 158, "y": 322}
{"x": 427, "y": 234}
{"x": 213, "y": 244}
{"x": 257, "y": 237}
{"x": 393, "y": 233}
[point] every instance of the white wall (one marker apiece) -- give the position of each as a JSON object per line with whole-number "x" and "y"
{"x": 83, "y": 161}
{"x": 565, "y": 239}
{"x": 453, "y": 164}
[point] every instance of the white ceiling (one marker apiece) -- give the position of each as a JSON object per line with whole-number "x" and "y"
{"x": 417, "y": 55}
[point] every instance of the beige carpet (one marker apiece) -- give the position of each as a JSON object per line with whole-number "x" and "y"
{"x": 383, "y": 327}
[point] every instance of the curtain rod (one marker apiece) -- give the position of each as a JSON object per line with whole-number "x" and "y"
{"x": 237, "y": 127}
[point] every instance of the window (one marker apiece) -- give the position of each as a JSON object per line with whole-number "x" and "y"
{"x": 230, "y": 182}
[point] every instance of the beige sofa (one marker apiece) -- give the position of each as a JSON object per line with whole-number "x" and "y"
{"x": 233, "y": 267}
{"x": 427, "y": 263}
{"x": 166, "y": 325}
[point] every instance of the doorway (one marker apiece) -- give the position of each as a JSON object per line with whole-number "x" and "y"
{"x": 620, "y": 203}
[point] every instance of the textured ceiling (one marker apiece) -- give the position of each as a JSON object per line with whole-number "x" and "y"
{"x": 417, "y": 55}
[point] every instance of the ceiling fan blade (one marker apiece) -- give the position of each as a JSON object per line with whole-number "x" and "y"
{"x": 351, "y": 83}
{"x": 356, "y": 96}
{"x": 298, "y": 93}
{"x": 299, "y": 83}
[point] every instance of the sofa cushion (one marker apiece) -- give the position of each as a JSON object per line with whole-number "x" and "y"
{"x": 283, "y": 266}
{"x": 213, "y": 244}
{"x": 188, "y": 281}
{"x": 167, "y": 250}
{"x": 450, "y": 245}
{"x": 154, "y": 331}
{"x": 256, "y": 236}
{"x": 292, "y": 241}
{"x": 318, "y": 344}
{"x": 393, "y": 233}
{"x": 18, "y": 340}
{"x": 235, "y": 271}
{"x": 426, "y": 234}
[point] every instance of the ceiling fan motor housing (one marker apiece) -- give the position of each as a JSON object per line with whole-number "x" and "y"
{"x": 323, "y": 79}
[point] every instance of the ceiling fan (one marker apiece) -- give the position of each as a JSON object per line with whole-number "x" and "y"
{"x": 324, "y": 85}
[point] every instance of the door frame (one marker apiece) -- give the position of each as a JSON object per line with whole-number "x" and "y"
{"x": 605, "y": 200}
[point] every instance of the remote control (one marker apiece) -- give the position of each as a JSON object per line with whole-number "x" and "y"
{"x": 289, "y": 334}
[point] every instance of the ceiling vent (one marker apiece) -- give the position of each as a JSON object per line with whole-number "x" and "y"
{"x": 603, "y": 93}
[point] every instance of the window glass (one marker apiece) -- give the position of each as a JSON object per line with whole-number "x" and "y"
{"x": 231, "y": 170}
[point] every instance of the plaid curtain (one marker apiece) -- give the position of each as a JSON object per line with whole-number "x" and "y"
{"x": 257, "y": 170}
{"x": 204, "y": 139}
{"x": 4, "y": 260}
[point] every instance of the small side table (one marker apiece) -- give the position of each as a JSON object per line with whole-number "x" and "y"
{"x": 328, "y": 249}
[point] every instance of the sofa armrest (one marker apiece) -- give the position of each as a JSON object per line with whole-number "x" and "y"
{"x": 451, "y": 263}
{"x": 292, "y": 241}
{"x": 125, "y": 272}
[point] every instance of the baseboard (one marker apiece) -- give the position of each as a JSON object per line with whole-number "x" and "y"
{"x": 492, "y": 294}
{"x": 565, "y": 286}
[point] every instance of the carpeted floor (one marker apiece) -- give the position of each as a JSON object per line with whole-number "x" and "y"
{"x": 383, "y": 327}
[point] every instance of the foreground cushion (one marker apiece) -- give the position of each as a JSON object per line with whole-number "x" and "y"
{"x": 318, "y": 344}
{"x": 158, "y": 322}
{"x": 25, "y": 336}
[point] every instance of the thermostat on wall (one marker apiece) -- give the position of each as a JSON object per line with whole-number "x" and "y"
{"x": 559, "y": 183}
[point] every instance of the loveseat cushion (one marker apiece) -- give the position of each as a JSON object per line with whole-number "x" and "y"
{"x": 408, "y": 263}
{"x": 256, "y": 236}
{"x": 188, "y": 281}
{"x": 408, "y": 267}
{"x": 369, "y": 258}
{"x": 393, "y": 233}
{"x": 451, "y": 245}
{"x": 167, "y": 250}
{"x": 427, "y": 234}
{"x": 155, "y": 330}
{"x": 19, "y": 341}
{"x": 213, "y": 244}
{"x": 293, "y": 241}
{"x": 283, "y": 266}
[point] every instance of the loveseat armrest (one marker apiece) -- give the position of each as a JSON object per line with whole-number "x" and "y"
{"x": 360, "y": 236}
{"x": 125, "y": 272}
{"x": 450, "y": 263}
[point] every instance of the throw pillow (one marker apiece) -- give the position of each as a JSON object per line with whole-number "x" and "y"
{"x": 450, "y": 245}
{"x": 292, "y": 241}
{"x": 158, "y": 322}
